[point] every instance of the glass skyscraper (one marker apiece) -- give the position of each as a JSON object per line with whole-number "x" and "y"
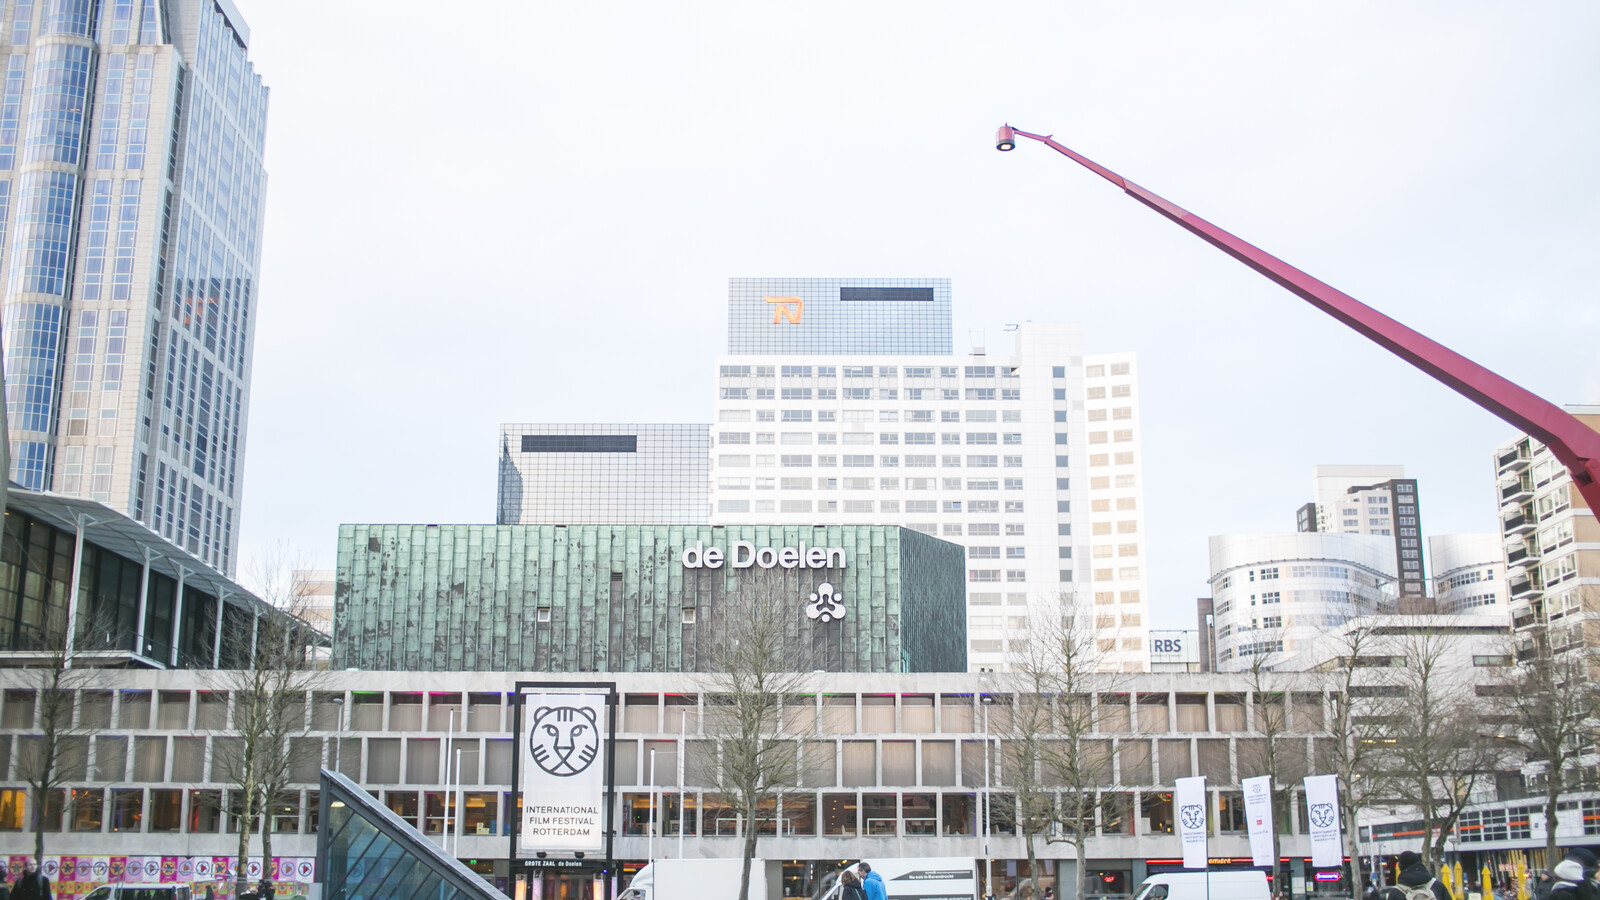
{"x": 131, "y": 188}
{"x": 839, "y": 316}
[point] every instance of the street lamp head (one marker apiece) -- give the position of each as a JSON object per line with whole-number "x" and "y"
{"x": 1005, "y": 139}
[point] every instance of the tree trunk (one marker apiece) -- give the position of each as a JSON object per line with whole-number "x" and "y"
{"x": 749, "y": 850}
{"x": 1033, "y": 870}
{"x": 241, "y": 871}
{"x": 1552, "y": 851}
{"x": 38, "y": 826}
{"x": 266, "y": 841}
{"x": 1080, "y": 845}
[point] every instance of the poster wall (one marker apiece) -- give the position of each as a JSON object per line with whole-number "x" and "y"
{"x": 75, "y": 876}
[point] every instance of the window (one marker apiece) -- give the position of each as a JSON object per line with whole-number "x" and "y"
{"x": 797, "y": 415}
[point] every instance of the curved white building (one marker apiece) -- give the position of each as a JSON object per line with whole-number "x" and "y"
{"x": 1469, "y": 574}
{"x": 1273, "y": 592}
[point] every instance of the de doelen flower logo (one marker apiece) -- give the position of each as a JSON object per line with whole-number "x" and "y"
{"x": 825, "y": 604}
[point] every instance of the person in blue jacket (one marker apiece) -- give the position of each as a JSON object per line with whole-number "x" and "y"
{"x": 871, "y": 882}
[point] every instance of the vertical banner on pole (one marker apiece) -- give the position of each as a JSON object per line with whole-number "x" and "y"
{"x": 1190, "y": 799}
{"x": 1322, "y": 811}
{"x": 1258, "y": 818}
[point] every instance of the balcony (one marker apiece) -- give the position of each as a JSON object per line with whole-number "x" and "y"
{"x": 1523, "y": 554}
{"x": 1520, "y": 522}
{"x": 1515, "y": 460}
{"x": 1516, "y": 491}
{"x": 1527, "y": 585}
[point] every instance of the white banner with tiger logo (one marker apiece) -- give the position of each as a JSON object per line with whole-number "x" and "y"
{"x": 563, "y": 771}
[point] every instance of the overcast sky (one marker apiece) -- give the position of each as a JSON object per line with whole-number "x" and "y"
{"x": 528, "y": 212}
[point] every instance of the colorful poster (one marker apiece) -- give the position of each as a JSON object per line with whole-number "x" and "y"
{"x": 1189, "y": 800}
{"x": 169, "y": 868}
{"x": 202, "y": 868}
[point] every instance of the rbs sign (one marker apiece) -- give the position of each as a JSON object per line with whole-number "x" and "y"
{"x": 1174, "y": 646}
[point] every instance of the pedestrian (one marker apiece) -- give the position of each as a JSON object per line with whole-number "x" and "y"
{"x": 266, "y": 891}
{"x": 872, "y": 882}
{"x": 32, "y": 884}
{"x": 850, "y": 886}
{"x": 1587, "y": 888}
{"x": 5, "y": 889}
{"x": 1541, "y": 887}
{"x": 211, "y": 893}
{"x": 1415, "y": 882}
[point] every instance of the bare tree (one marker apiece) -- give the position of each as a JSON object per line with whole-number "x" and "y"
{"x": 1352, "y": 748}
{"x": 1048, "y": 756}
{"x": 1273, "y": 751}
{"x": 1548, "y": 709}
{"x": 756, "y": 666}
{"x": 1433, "y": 754}
{"x": 273, "y": 650}
{"x": 57, "y": 751}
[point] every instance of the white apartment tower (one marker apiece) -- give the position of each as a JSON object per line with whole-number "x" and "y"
{"x": 841, "y": 402}
{"x": 1552, "y": 546}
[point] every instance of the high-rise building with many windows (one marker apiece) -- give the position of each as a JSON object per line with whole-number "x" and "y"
{"x": 1375, "y": 500}
{"x": 1552, "y": 547}
{"x": 1029, "y": 459}
{"x": 131, "y": 188}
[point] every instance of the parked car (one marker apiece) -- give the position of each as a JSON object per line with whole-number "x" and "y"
{"x": 139, "y": 892}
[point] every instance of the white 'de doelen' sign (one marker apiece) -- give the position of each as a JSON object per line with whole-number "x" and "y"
{"x": 563, "y": 772}
{"x": 744, "y": 554}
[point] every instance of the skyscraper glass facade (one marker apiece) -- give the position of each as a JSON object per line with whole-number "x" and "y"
{"x": 603, "y": 474}
{"x": 839, "y": 316}
{"x": 131, "y": 188}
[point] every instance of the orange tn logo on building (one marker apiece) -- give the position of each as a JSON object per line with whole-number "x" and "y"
{"x": 786, "y": 308}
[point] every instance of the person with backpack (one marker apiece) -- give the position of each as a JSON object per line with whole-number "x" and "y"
{"x": 1415, "y": 882}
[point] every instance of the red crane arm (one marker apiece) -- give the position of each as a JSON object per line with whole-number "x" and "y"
{"x": 1572, "y": 442}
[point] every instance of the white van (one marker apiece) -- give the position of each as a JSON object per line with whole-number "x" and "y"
{"x": 139, "y": 892}
{"x": 1233, "y": 884}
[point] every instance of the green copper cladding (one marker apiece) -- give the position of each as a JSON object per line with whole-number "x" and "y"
{"x": 618, "y": 598}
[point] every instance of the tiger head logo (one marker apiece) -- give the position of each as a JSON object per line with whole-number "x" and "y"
{"x": 564, "y": 739}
